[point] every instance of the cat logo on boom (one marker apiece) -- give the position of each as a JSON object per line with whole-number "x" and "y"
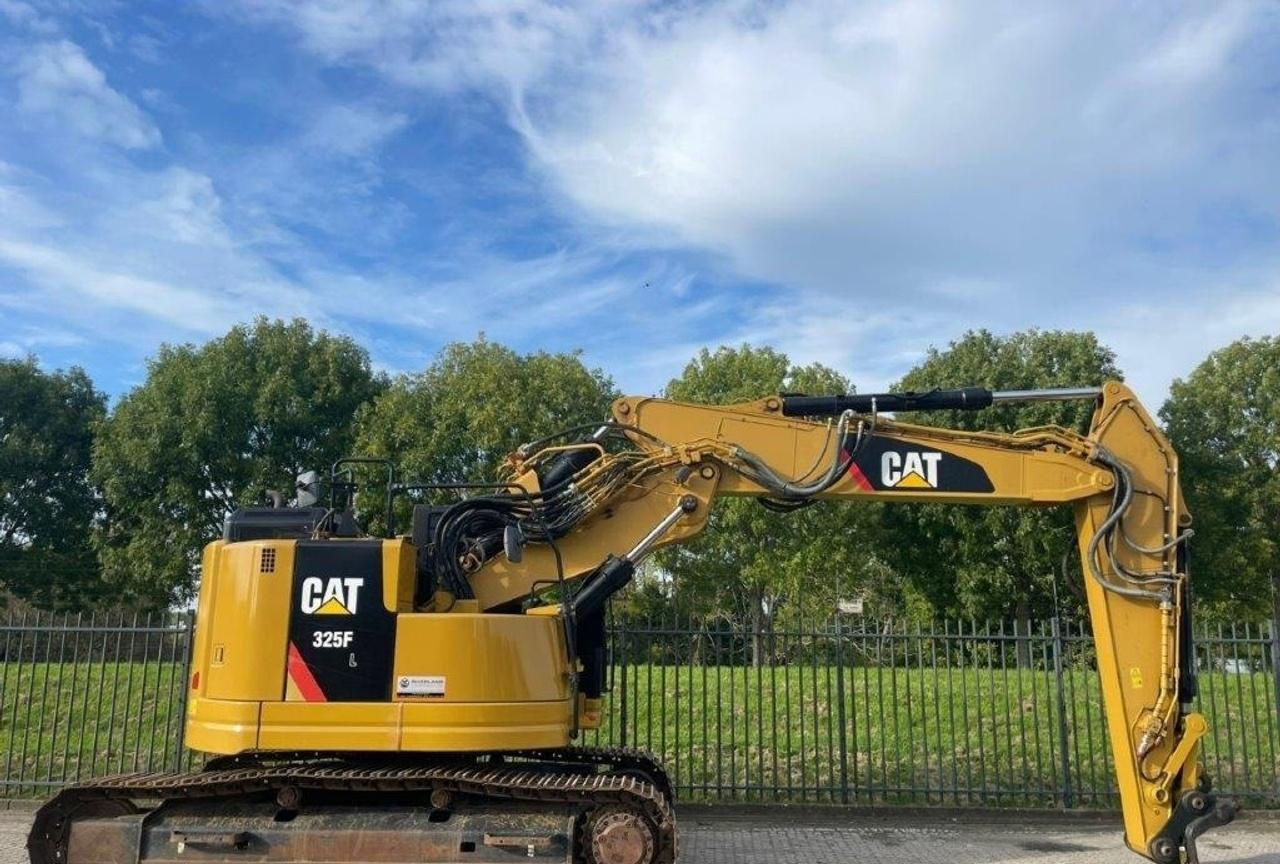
{"x": 333, "y": 596}
{"x": 917, "y": 469}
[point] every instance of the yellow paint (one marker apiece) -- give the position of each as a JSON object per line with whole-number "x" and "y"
{"x": 485, "y": 658}
{"x": 463, "y": 726}
{"x": 508, "y": 681}
{"x": 246, "y": 613}
{"x": 329, "y": 726}
{"x": 590, "y": 712}
{"x": 398, "y": 574}
{"x": 221, "y": 725}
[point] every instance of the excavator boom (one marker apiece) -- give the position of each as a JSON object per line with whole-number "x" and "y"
{"x": 1120, "y": 478}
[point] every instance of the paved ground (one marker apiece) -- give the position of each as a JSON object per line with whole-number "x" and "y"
{"x": 783, "y": 836}
{"x": 812, "y": 837}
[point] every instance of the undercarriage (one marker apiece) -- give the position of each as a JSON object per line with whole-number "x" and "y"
{"x": 579, "y": 805}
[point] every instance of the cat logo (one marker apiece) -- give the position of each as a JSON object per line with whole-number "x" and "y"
{"x": 333, "y": 596}
{"x": 912, "y": 470}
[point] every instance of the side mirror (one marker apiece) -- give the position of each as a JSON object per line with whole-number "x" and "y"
{"x": 513, "y": 543}
{"x": 308, "y": 488}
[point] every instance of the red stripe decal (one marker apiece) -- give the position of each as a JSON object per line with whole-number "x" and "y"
{"x": 300, "y": 672}
{"x": 859, "y": 478}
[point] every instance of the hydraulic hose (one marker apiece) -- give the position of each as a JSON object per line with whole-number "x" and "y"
{"x": 1121, "y": 499}
{"x": 791, "y": 490}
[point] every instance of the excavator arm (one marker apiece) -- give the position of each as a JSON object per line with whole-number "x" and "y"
{"x": 598, "y": 508}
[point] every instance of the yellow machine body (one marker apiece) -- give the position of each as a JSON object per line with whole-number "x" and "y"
{"x": 497, "y": 682}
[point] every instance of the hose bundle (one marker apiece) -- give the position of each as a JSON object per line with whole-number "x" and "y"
{"x": 1147, "y": 585}
{"x": 471, "y": 532}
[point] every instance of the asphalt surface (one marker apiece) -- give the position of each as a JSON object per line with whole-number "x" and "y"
{"x": 781, "y": 835}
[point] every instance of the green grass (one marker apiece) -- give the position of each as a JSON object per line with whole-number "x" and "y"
{"x": 953, "y": 736}
{"x": 63, "y": 721}
{"x": 962, "y": 736}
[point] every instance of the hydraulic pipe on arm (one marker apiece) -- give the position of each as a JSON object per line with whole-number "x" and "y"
{"x": 1121, "y": 478}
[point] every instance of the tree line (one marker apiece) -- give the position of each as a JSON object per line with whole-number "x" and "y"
{"x": 109, "y": 506}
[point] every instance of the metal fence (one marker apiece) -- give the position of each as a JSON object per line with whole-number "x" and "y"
{"x": 964, "y": 713}
{"x": 88, "y": 695}
{"x": 960, "y": 714}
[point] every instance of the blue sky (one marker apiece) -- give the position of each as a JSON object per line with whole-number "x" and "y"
{"x": 850, "y": 182}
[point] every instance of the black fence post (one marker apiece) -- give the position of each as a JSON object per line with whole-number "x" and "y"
{"x": 1063, "y": 736}
{"x": 187, "y": 623}
{"x": 622, "y": 701}
{"x": 840, "y": 715}
{"x": 1275, "y": 644}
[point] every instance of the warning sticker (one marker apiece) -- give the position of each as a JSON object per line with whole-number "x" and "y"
{"x": 420, "y": 685}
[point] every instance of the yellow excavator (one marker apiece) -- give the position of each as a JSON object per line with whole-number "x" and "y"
{"x": 410, "y": 698}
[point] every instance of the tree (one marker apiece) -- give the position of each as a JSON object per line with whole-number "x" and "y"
{"x": 751, "y": 564}
{"x": 459, "y": 418}
{"x": 47, "y": 504}
{"x": 215, "y": 427}
{"x": 1224, "y": 421}
{"x": 996, "y": 561}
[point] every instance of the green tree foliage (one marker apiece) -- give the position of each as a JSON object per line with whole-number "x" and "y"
{"x": 752, "y": 565}
{"x": 459, "y": 418}
{"x": 47, "y": 504}
{"x": 996, "y": 562}
{"x": 212, "y": 428}
{"x": 1224, "y": 421}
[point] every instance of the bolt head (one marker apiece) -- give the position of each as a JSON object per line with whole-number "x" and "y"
{"x": 1163, "y": 850}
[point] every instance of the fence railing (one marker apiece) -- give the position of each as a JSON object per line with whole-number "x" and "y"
{"x": 961, "y": 714}
{"x": 87, "y": 695}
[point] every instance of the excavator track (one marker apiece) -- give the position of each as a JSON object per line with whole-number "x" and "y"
{"x": 622, "y": 760}
{"x": 614, "y": 807}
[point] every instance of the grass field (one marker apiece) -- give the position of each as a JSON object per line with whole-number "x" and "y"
{"x": 918, "y": 735}
{"x": 62, "y": 721}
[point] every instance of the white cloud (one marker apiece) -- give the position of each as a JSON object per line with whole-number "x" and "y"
{"x": 27, "y": 339}
{"x": 1154, "y": 339}
{"x": 450, "y": 44}
{"x": 183, "y": 207}
{"x": 134, "y": 257}
{"x": 851, "y": 149}
{"x": 875, "y": 176}
{"x": 25, "y": 15}
{"x": 56, "y": 80}
{"x": 351, "y": 130}
{"x": 19, "y": 207}
{"x": 70, "y": 275}
{"x": 137, "y": 252}
{"x": 880, "y": 160}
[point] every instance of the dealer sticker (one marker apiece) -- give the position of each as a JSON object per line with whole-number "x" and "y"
{"x": 420, "y": 685}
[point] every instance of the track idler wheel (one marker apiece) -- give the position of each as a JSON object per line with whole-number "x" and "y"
{"x": 618, "y": 835}
{"x": 47, "y": 843}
